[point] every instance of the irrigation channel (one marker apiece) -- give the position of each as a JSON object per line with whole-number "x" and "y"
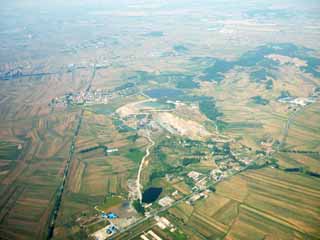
{"x": 57, "y": 203}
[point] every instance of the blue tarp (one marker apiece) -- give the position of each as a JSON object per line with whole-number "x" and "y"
{"x": 109, "y": 215}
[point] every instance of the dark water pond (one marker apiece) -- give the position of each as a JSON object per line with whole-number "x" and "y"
{"x": 151, "y": 194}
{"x": 164, "y": 93}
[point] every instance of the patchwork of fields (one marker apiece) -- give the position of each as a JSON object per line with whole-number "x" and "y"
{"x": 96, "y": 176}
{"x": 267, "y": 203}
{"x": 114, "y": 115}
{"x": 31, "y": 171}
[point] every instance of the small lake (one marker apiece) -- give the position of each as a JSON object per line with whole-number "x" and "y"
{"x": 164, "y": 93}
{"x": 151, "y": 194}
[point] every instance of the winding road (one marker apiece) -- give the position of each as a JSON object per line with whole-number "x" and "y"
{"x": 139, "y": 186}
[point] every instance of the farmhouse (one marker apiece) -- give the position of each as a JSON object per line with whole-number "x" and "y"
{"x": 194, "y": 175}
{"x": 166, "y": 201}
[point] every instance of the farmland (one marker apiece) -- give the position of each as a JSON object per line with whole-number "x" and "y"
{"x": 177, "y": 119}
{"x": 30, "y": 183}
{"x": 261, "y": 203}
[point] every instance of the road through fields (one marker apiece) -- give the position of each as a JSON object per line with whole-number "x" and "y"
{"x": 139, "y": 186}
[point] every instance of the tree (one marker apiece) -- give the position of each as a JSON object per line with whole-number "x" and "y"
{"x": 138, "y": 206}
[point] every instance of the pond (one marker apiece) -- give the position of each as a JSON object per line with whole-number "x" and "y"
{"x": 164, "y": 93}
{"x": 151, "y": 194}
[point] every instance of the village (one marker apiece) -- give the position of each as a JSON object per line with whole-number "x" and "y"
{"x": 93, "y": 96}
{"x": 201, "y": 185}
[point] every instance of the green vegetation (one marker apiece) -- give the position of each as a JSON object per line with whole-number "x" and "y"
{"x": 167, "y": 169}
{"x": 95, "y": 227}
{"x": 221, "y": 125}
{"x": 159, "y": 105}
{"x": 133, "y": 138}
{"x": 9, "y": 151}
{"x": 176, "y": 235}
{"x": 124, "y": 86}
{"x": 269, "y": 85}
{"x": 142, "y": 76}
{"x": 257, "y": 57}
{"x": 293, "y": 169}
{"x": 212, "y": 188}
{"x": 180, "y": 48}
{"x": 138, "y": 207}
{"x": 104, "y": 109}
{"x": 164, "y": 93}
{"x": 110, "y": 202}
{"x": 216, "y": 71}
{"x": 267, "y": 14}
{"x": 187, "y": 83}
{"x": 260, "y": 100}
{"x": 189, "y": 181}
{"x": 93, "y": 149}
{"x": 83, "y": 198}
{"x": 312, "y": 67}
{"x": 190, "y": 98}
{"x": 60, "y": 169}
{"x": 256, "y": 166}
{"x": 260, "y": 75}
{"x": 135, "y": 154}
{"x": 284, "y": 94}
{"x": 208, "y": 108}
{"x": 161, "y": 168}
{"x": 188, "y": 161}
{"x": 241, "y": 125}
{"x": 121, "y": 127}
{"x": 154, "y": 34}
{"x": 164, "y": 77}
{"x": 313, "y": 174}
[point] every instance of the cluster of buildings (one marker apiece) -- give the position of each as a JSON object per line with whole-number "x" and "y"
{"x": 166, "y": 201}
{"x": 101, "y": 42}
{"x": 95, "y": 96}
{"x": 197, "y": 197}
{"x": 194, "y": 175}
{"x": 150, "y": 235}
{"x": 11, "y": 74}
{"x": 91, "y": 97}
{"x": 299, "y": 101}
{"x": 105, "y": 232}
{"x": 216, "y": 175}
{"x": 200, "y": 180}
{"x": 229, "y": 162}
{"x": 163, "y": 223}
